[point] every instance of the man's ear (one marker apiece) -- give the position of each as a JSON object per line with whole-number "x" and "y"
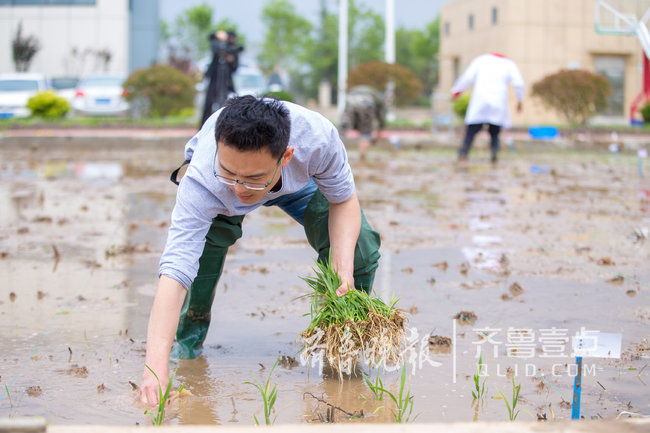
{"x": 288, "y": 154}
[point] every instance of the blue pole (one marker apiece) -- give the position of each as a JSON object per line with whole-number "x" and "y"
{"x": 577, "y": 390}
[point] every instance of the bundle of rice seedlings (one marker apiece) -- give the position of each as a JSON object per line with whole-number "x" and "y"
{"x": 352, "y": 325}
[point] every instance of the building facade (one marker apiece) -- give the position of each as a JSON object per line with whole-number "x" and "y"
{"x": 542, "y": 37}
{"x": 82, "y": 37}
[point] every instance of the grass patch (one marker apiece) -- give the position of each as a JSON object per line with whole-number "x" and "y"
{"x": 352, "y": 324}
{"x": 98, "y": 122}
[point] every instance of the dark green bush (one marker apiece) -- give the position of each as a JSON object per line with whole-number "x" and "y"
{"x": 461, "y": 103}
{"x": 48, "y": 104}
{"x": 282, "y": 95}
{"x": 376, "y": 74}
{"x": 576, "y": 94}
{"x": 166, "y": 89}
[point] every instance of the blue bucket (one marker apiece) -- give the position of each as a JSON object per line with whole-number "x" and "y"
{"x": 543, "y": 132}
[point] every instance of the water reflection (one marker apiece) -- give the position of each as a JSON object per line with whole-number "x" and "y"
{"x": 93, "y": 172}
{"x": 197, "y": 409}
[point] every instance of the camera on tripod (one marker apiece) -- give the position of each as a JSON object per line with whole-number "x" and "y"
{"x": 224, "y": 45}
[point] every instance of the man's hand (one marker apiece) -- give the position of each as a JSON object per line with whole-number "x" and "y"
{"x": 149, "y": 391}
{"x": 347, "y": 283}
{"x": 163, "y": 321}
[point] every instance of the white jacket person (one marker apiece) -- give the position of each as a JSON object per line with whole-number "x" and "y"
{"x": 490, "y": 74}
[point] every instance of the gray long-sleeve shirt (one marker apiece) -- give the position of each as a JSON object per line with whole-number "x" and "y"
{"x": 318, "y": 154}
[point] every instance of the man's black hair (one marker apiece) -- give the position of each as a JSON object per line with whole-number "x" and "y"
{"x": 251, "y": 124}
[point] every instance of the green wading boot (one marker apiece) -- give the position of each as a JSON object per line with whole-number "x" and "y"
{"x": 195, "y": 315}
{"x": 366, "y": 253}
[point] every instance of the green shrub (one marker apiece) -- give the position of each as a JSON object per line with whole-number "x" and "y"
{"x": 461, "y": 103}
{"x": 166, "y": 89}
{"x": 376, "y": 74}
{"x": 48, "y": 104}
{"x": 282, "y": 95}
{"x": 645, "y": 113}
{"x": 186, "y": 112}
{"x": 576, "y": 94}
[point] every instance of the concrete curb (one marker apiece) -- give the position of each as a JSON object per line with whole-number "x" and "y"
{"x": 34, "y": 425}
{"x": 627, "y": 426}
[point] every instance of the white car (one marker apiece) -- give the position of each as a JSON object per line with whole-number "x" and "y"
{"x": 100, "y": 95}
{"x": 65, "y": 87}
{"x": 15, "y": 91}
{"x": 249, "y": 80}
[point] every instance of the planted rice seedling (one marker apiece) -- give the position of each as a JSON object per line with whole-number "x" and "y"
{"x": 377, "y": 387}
{"x": 512, "y": 414}
{"x": 352, "y": 324}
{"x": 9, "y": 396}
{"x": 159, "y": 416}
{"x": 268, "y": 396}
{"x": 480, "y": 390}
{"x": 403, "y": 401}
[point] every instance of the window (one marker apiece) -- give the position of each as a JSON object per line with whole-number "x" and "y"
{"x": 495, "y": 16}
{"x": 470, "y": 21}
{"x": 613, "y": 68}
{"x": 447, "y": 28}
{"x": 456, "y": 68}
{"x": 10, "y": 85}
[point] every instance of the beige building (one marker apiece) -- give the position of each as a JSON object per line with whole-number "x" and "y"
{"x": 542, "y": 37}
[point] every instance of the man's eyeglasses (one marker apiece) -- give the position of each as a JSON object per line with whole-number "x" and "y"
{"x": 255, "y": 186}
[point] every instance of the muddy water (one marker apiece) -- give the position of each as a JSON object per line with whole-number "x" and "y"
{"x": 81, "y": 233}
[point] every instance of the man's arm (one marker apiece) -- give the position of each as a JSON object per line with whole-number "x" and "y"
{"x": 344, "y": 226}
{"x": 163, "y": 322}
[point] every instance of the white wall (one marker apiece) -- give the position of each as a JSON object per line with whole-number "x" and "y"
{"x": 60, "y": 29}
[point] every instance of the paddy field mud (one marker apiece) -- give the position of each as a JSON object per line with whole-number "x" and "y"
{"x": 546, "y": 239}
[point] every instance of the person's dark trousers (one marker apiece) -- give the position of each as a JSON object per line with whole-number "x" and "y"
{"x": 210, "y": 96}
{"x": 472, "y": 130}
{"x": 310, "y": 208}
{"x": 494, "y": 140}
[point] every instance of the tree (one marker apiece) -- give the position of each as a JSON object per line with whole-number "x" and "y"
{"x": 24, "y": 49}
{"x": 164, "y": 31}
{"x": 287, "y": 36}
{"x": 365, "y": 39}
{"x": 366, "y": 33}
{"x": 192, "y": 28}
{"x": 376, "y": 74}
{"x": 418, "y": 51}
{"x": 322, "y": 59}
{"x": 576, "y": 94}
{"x": 312, "y": 51}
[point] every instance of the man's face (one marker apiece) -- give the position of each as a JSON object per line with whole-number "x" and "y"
{"x": 256, "y": 167}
